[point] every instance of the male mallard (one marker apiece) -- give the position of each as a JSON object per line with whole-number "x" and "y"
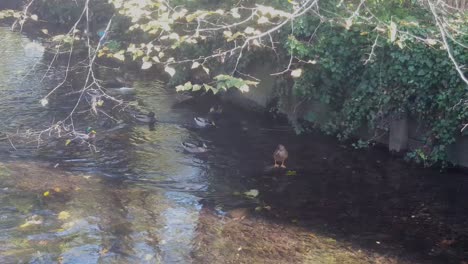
{"x": 90, "y": 134}
{"x": 193, "y": 148}
{"x": 203, "y": 122}
{"x": 280, "y": 155}
{"x": 148, "y": 118}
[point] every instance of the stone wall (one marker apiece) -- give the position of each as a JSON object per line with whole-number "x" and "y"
{"x": 405, "y": 132}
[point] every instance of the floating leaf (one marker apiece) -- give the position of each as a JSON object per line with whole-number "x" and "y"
{"x": 47, "y": 193}
{"x": 100, "y": 102}
{"x": 244, "y": 88}
{"x": 57, "y": 189}
{"x": 296, "y": 73}
{"x": 146, "y": 65}
{"x": 34, "y": 17}
{"x": 64, "y": 215}
{"x": 252, "y": 193}
{"x": 45, "y": 31}
{"x": 206, "y": 70}
{"x": 44, "y": 102}
{"x": 170, "y": 71}
{"x": 67, "y": 142}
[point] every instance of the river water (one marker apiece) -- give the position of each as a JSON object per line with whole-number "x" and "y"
{"x": 142, "y": 199}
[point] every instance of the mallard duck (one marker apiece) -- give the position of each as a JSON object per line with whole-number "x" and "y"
{"x": 280, "y": 155}
{"x": 203, "y": 122}
{"x": 148, "y": 118}
{"x": 193, "y": 148}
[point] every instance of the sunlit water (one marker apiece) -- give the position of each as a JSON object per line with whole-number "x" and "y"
{"x": 142, "y": 199}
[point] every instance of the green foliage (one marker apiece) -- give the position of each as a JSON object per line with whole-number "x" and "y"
{"x": 222, "y": 83}
{"x": 402, "y": 76}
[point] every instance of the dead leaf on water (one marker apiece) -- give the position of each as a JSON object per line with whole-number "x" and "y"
{"x": 252, "y": 193}
{"x": 64, "y": 215}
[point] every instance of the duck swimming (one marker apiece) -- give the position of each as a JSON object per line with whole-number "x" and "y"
{"x": 203, "y": 122}
{"x": 280, "y": 155}
{"x": 193, "y": 148}
{"x": 149, "y": 118}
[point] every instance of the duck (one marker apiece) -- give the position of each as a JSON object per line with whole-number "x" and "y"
{"x": 203, "y": 122}
{"x": 148, "y": 118}
{"x": 193, "y": 148}
{"x": 280, "y": 155}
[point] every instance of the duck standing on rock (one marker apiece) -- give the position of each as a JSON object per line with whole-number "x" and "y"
{"x": 280, "y": 155}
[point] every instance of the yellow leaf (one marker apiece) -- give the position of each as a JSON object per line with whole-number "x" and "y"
{"x": 57, "y": 189}
{"x": 249, "y": 30}
{"x": 67, "y": 142}
{"x": 100, "y": 103}
{"x": 296, "y": 73}
{"x": 47, "y": 193}
{"x": 393, "y": 31}
{"x": 119, "y": 56}
{"x": 64, "y": 215}
{"x": 263, "y": 20}
{"x": 25, "y": 225}
{"x": 146, "y": 65}
{"x": 195, "y": 65}
{"x": 170, "y": 71}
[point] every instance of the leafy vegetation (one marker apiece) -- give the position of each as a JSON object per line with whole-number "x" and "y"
{"x": 369, "y": 61}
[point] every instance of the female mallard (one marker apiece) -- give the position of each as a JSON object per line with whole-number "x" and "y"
{"x": 280, "y": 155}
{"x": 193, "y": 148}
{"x": 203, "y": 122}
{"x": 148, "y": 118}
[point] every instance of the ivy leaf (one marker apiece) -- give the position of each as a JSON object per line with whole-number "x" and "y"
{"x": 170, "y": 71}
{"x": 146, "y": 65}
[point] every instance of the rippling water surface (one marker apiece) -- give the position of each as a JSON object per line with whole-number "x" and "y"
{"x": 142, "y": 199}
